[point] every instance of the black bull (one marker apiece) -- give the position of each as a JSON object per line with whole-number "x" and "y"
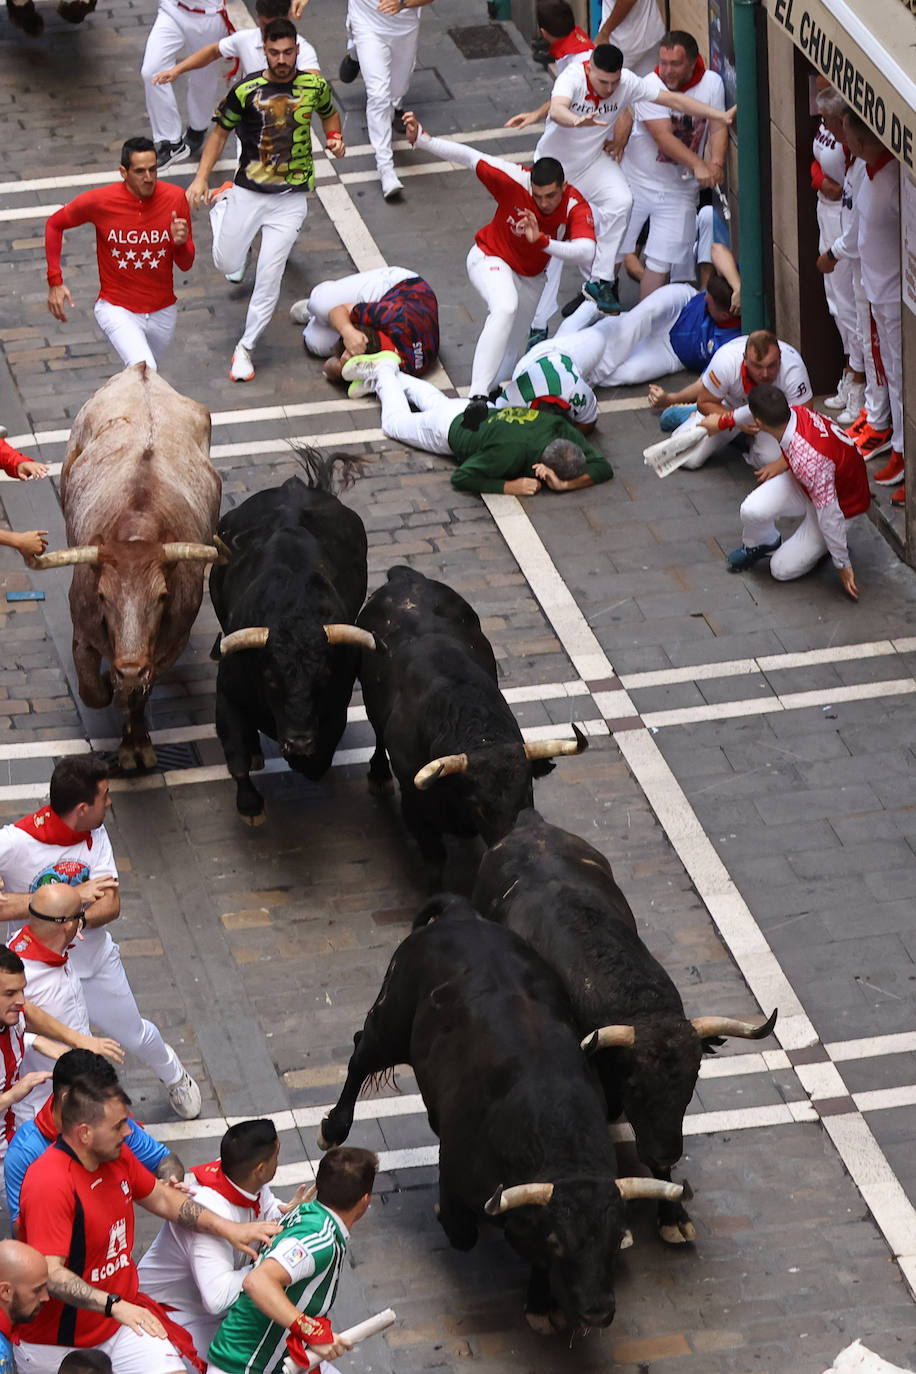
{"x": 286, "y": 599}
{"x": 491, "y": 1037}
{"x": 558, "y": 892}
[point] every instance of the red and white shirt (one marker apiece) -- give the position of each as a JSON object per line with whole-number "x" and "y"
{"x": 12, "y": 1048}
{"x": 133, "y": 242}
{"x": 827, "y": 465}
{"x": 88, "y": 1218}
{"x": 53, "y": 984}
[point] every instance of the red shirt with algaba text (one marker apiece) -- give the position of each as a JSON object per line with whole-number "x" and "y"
{"x": 133, "y": 242}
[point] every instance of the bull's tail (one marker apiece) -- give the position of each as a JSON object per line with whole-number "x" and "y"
{"x": 331, "y": 472}
{"x": 444, "y": 906}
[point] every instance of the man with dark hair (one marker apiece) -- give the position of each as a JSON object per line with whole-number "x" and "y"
{"x": 511, "y": 451}
{"x": 35, "y": 1136}
{"x": 271, "y": 113}
{"x": 67, "y": 842}
{"x": 539, "y": 217}
{"x": 244, "y": 46}
{"x": 286, "y": 1296}
{"x": 669, "y": 157}
{"x": 201, "y": 1276}
{"x": 77, "y": 1209}
{"x": 23, "y": 1293}
{"x": 142, "y": 231}
{"x": 586, "y": 101}
{"x": 86, "y": 1362}
{"x": 398, "y": 307}
{"x": 819, "y": 477}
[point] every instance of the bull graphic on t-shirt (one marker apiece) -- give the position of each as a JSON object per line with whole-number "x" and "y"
{"x": 687, "y": 130}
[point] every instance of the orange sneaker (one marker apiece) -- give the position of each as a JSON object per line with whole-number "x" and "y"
{"x": 227, "y": 186}
{"x": 870, "y": 442}
{"x": 858, "y": 424}
{"x": 891, "y": 473}
{"x": 899, "y": 497}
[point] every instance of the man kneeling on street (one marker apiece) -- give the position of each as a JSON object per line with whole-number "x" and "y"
{"x": 515, "y": 450}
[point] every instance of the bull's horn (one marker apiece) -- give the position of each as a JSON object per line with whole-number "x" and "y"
{"x": 708, "y": 1026}
{"x": 609, "y": 1038}
{"x": 551, "y": 748}
{"x": 253, "y": 637}
{"x": 63, "y": 558}
{"x": 522, "y": 1195}
{"x": 350, "y": 634}
{"x": 630, "y": 1188}
{"x": 440, "y": 768}
{"x": 183, "y": 553}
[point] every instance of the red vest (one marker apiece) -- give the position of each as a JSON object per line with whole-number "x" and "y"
{"x": 851, "y": 476}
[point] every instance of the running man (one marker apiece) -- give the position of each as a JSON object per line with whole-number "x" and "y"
{"x": 142, "y": 231}
{"x": 539, "y": 216}
{"x": 271, "y": 113}
{"x": 244, "y": 46}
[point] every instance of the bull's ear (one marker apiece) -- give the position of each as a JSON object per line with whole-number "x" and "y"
{"x": 711, "y": 1043}
{"x": 214, "y": 652}
{"x": 541, "y": 767}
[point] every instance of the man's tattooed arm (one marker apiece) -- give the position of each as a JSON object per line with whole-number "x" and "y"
{"x": 68, "y": 1287}
{"x": 189, "y": 1215}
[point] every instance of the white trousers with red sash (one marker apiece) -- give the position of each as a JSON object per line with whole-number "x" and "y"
{"x": 183, "y": 28}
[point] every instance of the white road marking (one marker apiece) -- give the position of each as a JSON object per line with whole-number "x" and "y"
{"x": 792, "y": 701}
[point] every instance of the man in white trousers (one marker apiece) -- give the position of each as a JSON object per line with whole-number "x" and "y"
{"x": 66, "y": 842}
{"x": 385, "y": 35}
{"x": 635, "y": 27}
{"x": 244, "y": 47}
{"x": 271, "y": 113}
{"x": 178, "y": 27}
{"x": 388, "y": 308}
{"x": 539, "y": 216}
{"x": 587, "y": 99}
{"x": 819, "y": 476}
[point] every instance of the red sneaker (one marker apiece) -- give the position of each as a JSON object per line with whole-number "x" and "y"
{"x": 899, "y": 497}
{"x": 870, "y": 442}
{"x": 891, "y": 474}
{"x": 858, "y": 424}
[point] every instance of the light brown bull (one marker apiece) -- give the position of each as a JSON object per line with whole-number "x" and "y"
{"x": 141, "y": 501}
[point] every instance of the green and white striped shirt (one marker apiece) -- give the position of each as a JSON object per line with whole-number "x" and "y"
{"x": 554, "y": 375}
{"x": 310, "y": 1247}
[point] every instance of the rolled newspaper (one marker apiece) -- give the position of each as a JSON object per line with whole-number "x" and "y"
{"x": 670, "y": 453}
{"x": 361, "y": 1332}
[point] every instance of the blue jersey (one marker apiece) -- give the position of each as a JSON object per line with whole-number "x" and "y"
{"x": 29, "y": 1144}
{"x": 695, "y": 336}
{"x": 6, "y": 1356}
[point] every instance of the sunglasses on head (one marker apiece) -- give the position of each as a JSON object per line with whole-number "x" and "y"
{"x": 58, "y": 920}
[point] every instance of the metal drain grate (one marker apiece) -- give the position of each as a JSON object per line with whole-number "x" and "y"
{"x": 483, "y": 40}
{"x": 169, "y": 757}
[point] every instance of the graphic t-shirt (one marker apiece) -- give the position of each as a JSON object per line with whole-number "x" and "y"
{"x": 409, "y": 315}
{"x": 553, "y": 378}
{"x": 7, "y": 1363}
{"x": 645, "y": 163}
{"x": 273, "y": 123}
{"x": 310, "y": 1247}
{"x": 88, "y": 1218}
{"x": 509, "y": 443}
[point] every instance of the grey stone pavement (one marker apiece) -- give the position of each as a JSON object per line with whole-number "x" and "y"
{"x": 258, "y": 952}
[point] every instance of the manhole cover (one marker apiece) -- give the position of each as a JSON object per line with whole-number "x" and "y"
{"x": 483, "y": 40}
{"x": 168, "y": 758}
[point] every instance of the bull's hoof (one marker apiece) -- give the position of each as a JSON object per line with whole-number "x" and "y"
{"x": 26, "y": 18}
{"x": 684, "y": 1233}
{"x": 558, "y": 1320}
{"x": 627, "y": 1242}
{"x": 381, "y": 787}
{"x": 258, "y": 819}
{"x": 540, "y": 1322}
{"x": 147, "y": 756}
{"x": 133, "y": 758}
{"x": 75, "y": 11}
{"x": 322, "y": 1142}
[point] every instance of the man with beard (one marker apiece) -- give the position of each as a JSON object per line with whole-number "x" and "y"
{"x": 23, "y": 1292}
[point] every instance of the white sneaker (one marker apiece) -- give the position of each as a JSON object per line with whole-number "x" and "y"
{"x": 184, "y": 1097}
{"x": 855, "y": 401}
{"x": 391, "y": 186}
{"x": 838, "y": 402}
{"x": 241, "y": 368}
{"x": 299, "y": 313}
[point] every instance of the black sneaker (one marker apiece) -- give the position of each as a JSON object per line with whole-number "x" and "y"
{"x": 537, "y": 336}
{"x": 397, "y": 121}
{"x": 194, "y": 138}
{"x": 477, "y": 410}
{"x": 571, "y": 307}
{"x": 26, "y": 18}
{"x": 168, "y": 153}
{"x": 349, "y": 69}
{"x": 604, "y": 295}
{"x": 540, "y": 51}
{"x": 740, "y": 559}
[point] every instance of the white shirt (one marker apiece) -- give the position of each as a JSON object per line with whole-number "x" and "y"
{"x": 59, "y": 992}
{"x": 26, "y": 862}
{"x": 879, "y": 234}
{"x": 365, "y": 14}
{"x": 639, "y": 31}
{"x": 829, "y": 154}
{"x": 201, "y": 1275}
{"x": 847, "y": 245}
{"x": 248, "y": 46}
{"x": 645, "y": 163}
{"x": 578, "y": 148}
{"x": 723, "y": 377}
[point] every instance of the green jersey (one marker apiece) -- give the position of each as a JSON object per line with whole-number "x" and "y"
{"x": 310, "y": 1247}
{"x": 509, "y": 443}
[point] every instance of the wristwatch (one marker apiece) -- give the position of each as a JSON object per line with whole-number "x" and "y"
{"x": 110, "y": 1302}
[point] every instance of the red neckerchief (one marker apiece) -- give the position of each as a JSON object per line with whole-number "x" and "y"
{"x": 211, "y": 1176}
{"x": 873, "y": 168}
{"x": 6, "y": 1327}
{"x": 575, "y": 41}
{"x": 28, "y": 946}
{"x": 589, "y": 93}
{"x": 45, "y": 1121}
{"x": 695, "y": 77}
{"x": 747, "y": 380}
{"x": 47, "y": 826}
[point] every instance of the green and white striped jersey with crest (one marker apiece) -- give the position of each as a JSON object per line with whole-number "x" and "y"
{"x": 310, "y": 1247}
{"x": 553, "y": 376}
